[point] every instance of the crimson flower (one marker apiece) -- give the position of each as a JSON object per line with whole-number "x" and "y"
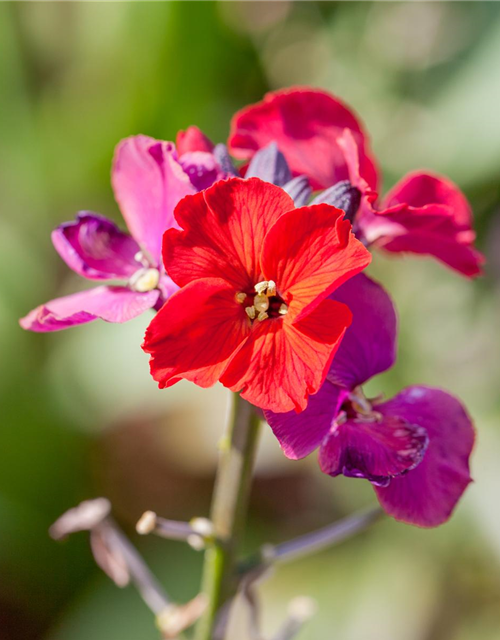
{"x": 413, "y": 448}
{"x": 255, "y": 273}
{"x": 322, "y": 139}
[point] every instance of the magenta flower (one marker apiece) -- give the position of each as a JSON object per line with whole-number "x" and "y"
{"x": 325, "y": 141}
{"x": 149, "y": 179}
{"x": 414, "y": 448}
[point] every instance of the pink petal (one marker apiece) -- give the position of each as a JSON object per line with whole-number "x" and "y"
{"x": 375, "y": 449}
{"x": 427, "y": 495}
{"x": 305, "y": 123}
{"x": 94, "y": 247}
{"x": 148, "y": 182}
{"x": 113, "y": 304}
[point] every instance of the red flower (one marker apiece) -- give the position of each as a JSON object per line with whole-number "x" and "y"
{"x": 252, "y": 312}
{"x": 305, "y": 123}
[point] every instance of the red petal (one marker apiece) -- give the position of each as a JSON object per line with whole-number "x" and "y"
{"x": 224, "y": 230}
{"x": 195, "y": 333}
{"x": 310, "y": 252}
{"x": 283, "y": 363}
{"x": 193, "y": 139}
{"x": 419, "y": 189}
{"x": 305, "y": 123}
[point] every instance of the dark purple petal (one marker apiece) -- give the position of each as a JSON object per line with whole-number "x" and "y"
{"x": 301, "y": 433}
{"x": 95, "y": 248}
{"x": 375, "y": 448}
{"x": 113, "y": 304}
{"x": 223, "y": 159}
{"x": 369, "y": 345}
{"x": 428, "y": 494}
{"x": 299, "y": 190}
{"x": 342, "y": 195}
{"x": 269, "y": 164}
{"x": 148, "y": 182}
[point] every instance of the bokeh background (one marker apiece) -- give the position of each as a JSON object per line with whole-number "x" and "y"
{"x": 80, "y": 416}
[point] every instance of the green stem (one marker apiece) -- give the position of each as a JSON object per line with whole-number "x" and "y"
{"x": 228, "y": 512}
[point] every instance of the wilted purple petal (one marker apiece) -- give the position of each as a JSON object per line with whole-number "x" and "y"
{"x": 84, "y": 517}
{"x": 376, "y": 450}
{"x": 300, "y": 433}
{"x": 342, "y": 195}
{"x": 113, "y": 304}
{"x": 94, "y": 247}
{"x": 427, "y": 495}
{"x": 369, "y": 345}
{"x": 148, "y": 182}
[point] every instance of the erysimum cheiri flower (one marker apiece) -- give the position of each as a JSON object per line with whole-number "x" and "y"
{"x": 321, "y": 138}
{"x": 253, "y": 311}
{"x": 149, "y": 178}
{"x": 413, "y": 448}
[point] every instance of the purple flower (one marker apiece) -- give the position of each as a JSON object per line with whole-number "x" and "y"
{"x": 148, "y": 181}
{"x": 414, "y": 448}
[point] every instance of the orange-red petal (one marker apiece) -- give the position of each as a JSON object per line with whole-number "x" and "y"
{"x": 282, "y": 363}
{"x": 195, "y": 334}
{"x": 309, "y": 252}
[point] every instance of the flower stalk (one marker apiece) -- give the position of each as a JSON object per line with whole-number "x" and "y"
{"x": 228, "y": 511}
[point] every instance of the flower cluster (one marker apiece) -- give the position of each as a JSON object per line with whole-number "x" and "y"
{"x": 255, "y": 272}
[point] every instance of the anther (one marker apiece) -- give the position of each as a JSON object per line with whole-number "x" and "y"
{"x": 145, "y": 280}
{"x": 261, "y": 302}
{"x": 271, "y": 288}
{"x": 261, "y": 287}
{"x": 262, "y": 316}
{"x": 241, "y": 297}
{"x": 283, "y": 310}
{"x": 250, "y": 311}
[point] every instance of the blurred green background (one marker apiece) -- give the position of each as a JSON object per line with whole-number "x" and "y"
{"x": 80, "y": 415}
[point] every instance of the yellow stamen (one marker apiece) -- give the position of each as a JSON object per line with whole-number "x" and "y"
{"x": 250, "y": 311}
{"x": 261, "y": 302}
{"x": 271, "y": 288}
{"x": 283, "y": 310}
{"x": 262, "y": 316}
{"x": 145, "y": 280}
{"x": 260, "y": 287}
{"x": 241, "y": 297}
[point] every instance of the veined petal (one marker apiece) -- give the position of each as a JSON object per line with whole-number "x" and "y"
{"x": 305, "y": 123}
{"x": 148, "y": 182}
{"x": 223, "y": 232}
{"x": 95, "y": 248}
{"x": 195, "y": 334}
{"x": 369, "y": 345}
{"x": 301, "y": 433}
{"x": 309, "y": 252}
{"x": 427, "y": 495}
{"x": 283, "y": 363}
{"x": 376, "y": 450}
{"x": 113, "y": 304}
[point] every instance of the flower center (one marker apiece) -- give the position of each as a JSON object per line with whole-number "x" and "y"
{"x": 145, "y": 279}
{"x": 357, "y": 407}
{"x": 264, "y": 302}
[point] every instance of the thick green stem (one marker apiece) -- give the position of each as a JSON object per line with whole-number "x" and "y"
{"x": 228, "y": 512}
